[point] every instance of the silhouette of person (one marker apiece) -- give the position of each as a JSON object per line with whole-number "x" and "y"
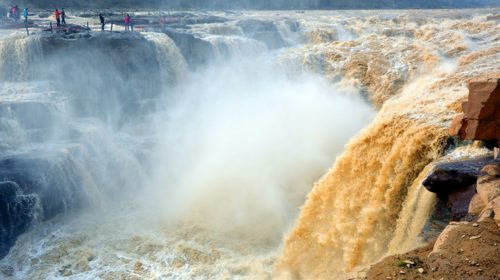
{"x": 63, "y": 16}
{"x": 101, "y": 17}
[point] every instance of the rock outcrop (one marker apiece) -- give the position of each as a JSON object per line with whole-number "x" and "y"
{"x": 452, "y": 176}
{"x": 481, "y": 118}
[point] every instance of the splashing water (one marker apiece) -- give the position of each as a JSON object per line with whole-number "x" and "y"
{"x": 236, "y": 147}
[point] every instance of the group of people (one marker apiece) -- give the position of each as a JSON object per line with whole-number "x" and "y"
{"x": 14, "y": 12}
{"x": 60, "y": 15}
{"x": 127, "y": 22}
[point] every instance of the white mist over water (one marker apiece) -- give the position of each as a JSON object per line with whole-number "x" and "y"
{"x": 207, "y": 186}
{"x": 240, "y": 146}
{"x": 243, "y": 145}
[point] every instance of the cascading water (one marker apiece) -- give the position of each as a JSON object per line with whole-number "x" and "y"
{"x": 163, "y": 173}
{"x": 17, "y": 57}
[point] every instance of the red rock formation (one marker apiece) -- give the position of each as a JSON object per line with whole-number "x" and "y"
{"x": 481, "y": 117}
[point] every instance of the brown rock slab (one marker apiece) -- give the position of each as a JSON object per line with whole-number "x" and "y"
{"x": 481, "y": 113}
{"x": 484, "y": 98}
{"x": 480, "y": 129}
{"x": 456, "y": 126}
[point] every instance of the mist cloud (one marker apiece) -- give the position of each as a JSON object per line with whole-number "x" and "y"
{"x": 241, "y": 146}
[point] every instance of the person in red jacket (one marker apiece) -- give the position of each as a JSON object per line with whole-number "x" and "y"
{"x": 127, "y": 22}
{"x": 57, "y": 13}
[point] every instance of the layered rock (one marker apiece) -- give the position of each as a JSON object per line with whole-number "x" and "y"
{"x": 481, "y": 118}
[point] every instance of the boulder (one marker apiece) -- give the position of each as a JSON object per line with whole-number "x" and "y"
{"x": 476, "y": 205}
{"x": 459, "y": 201}
{"x": 496, "y": 209}
{"x": 488, "y": 183}
{"x": 452, "y": 176}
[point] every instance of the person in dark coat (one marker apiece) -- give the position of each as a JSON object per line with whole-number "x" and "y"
{"x": 63, "y": 16}
{"x": 101, "y": 17}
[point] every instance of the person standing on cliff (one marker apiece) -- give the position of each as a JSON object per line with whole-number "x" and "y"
{"x": 14, "y": 15}
{"x": 127, "y": 22}
{"x": 25, "y": 14}
{"x": 101, "y": 17}
{"x": 63, "y": 16}
{"x": 56, "y": 14}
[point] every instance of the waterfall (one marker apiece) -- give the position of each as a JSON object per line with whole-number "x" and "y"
{"x": 418, "y": 207}
{"x": 17, "y": 57}
{"x": 348, "y": 217}
{"x": 118, "y": 161}
{"x": 173, "y": 67}
{"x": 235, "y": 47}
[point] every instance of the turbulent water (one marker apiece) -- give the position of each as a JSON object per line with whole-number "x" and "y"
{"x": 204, "y": 173}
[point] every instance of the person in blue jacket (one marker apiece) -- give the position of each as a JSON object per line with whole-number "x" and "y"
{"x": 25, "y": 14}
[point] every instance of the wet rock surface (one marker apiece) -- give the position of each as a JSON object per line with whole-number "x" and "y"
{"x": 449, "y": 177}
